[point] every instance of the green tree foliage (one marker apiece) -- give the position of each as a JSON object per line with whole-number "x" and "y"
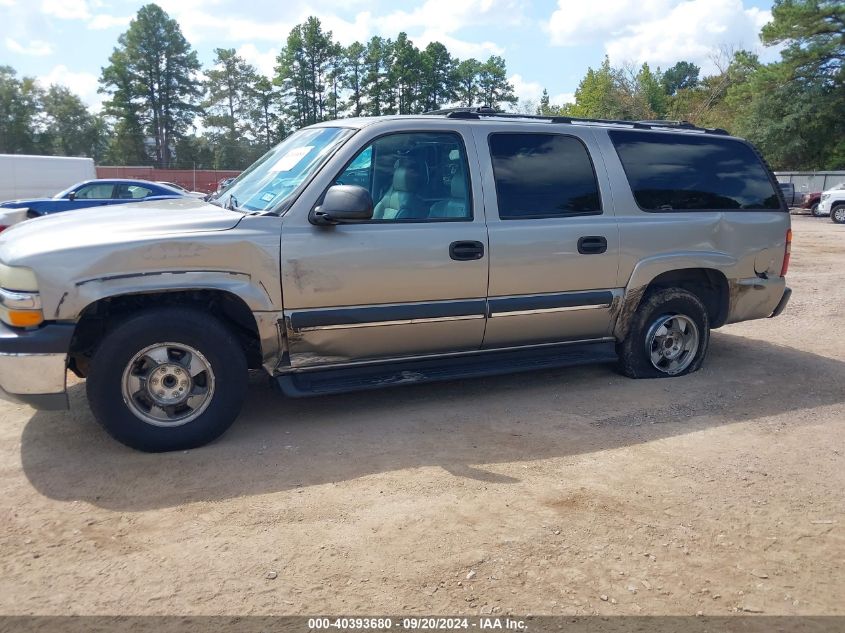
{"x": 793, "y": 109}
{"x": 493, "y": 85}
{"x": 265, "y": 117}
{"x": 152, "y": 79}
{"x": 52, "y": 121}
{"x": 69, "y": 128}
{"x": 649, "y": 92}
{"x": 439, "y": 76}
{"x": 598, "y": 94}
{"x": 404, "y": 75}
{"x": 126, "y": 146}
{"x": 466, "y": 83}
{"x": 20, "y": 106}
{"x": 800, "y": 102}
{"x": 814, "y": 34}
{"x": 230, "y": 109}
{"x": 681, "y": 76}
{"x": 305, "y": 64}
{"x": 376, "y": 65}
{"x": 230, "y": 94}
{"x": 354, "y": 60}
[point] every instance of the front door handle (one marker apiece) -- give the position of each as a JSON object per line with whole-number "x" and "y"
{"x": 466, "y": 250}
{"x": 592, "y": 245}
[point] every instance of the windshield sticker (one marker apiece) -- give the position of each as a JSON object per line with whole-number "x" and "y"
{"x": 291, "y": 159}
{"x": 267, "y": 197}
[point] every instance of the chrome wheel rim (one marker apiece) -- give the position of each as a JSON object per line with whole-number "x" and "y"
{"x": 839, "y": 214}
{"x": 672, "y": 343}
{"x": 168, "y": 384}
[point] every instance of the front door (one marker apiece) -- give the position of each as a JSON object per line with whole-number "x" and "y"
{"x": 554, "y": 244}
{"x": 411, "y": 281}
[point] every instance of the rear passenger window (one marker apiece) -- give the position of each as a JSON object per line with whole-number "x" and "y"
{"x": 679, "y": 172}
{"x": 413, "y": 177}
{"x": 543, "y": 176}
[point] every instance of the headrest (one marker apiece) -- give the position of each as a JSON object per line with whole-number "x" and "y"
{"x": 459, "y": 186}
{"x": 406, "y": 176}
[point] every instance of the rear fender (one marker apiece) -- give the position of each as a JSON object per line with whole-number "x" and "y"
{"x": 650, "y": 268}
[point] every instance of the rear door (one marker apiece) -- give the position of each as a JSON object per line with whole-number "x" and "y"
{"x": 412, "y": 281}
{"x": 126, "y": 192}
{"x": 554, "y": 242}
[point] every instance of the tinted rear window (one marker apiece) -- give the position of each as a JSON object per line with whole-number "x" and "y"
{"x": 543, "y": 176}
{"x": 675, "y": 172}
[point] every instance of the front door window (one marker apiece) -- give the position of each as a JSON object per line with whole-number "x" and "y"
{"x": 416, "y": 177}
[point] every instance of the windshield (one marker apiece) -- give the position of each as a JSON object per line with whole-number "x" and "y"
{"x": 62, "y": 194}
{"x": 274, "y": 176}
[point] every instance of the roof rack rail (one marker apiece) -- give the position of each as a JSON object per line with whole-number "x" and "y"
{"x": 477, "y": 113}
{"x": 461, "y": 111}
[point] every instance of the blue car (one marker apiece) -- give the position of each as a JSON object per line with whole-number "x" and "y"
{"x": 93, "y": 193}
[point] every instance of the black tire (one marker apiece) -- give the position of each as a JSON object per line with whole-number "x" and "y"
{"x": 814, "y": 211}
{"x": 634, "y": 359}
{"x": 219, "y": 350}
{"x": 837, "y": 214}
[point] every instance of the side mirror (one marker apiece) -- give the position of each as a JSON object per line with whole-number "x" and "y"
{"x": 71, "y": 195}
{"x": 343, "y": 203}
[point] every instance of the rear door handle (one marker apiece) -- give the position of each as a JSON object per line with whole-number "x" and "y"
{"x": 592, "y": 245}
{"x": 466, "y": 250}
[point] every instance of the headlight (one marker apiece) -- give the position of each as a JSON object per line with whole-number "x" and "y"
{"x": 17, "y": 278}
{"x": 20, "y": 303}
{"x": 825, "y": 196}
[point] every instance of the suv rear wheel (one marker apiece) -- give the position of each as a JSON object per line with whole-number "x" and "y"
{"x": 167, "y": 379}
{"x": 669, "y": 336}
{"x": 837, "y": 214}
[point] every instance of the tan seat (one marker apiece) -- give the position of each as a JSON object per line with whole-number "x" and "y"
{"x": 457, "y": 205}
{"x": 401, "y": 201}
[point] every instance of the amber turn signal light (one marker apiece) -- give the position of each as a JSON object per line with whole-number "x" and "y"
{"x": 25, "y": 318}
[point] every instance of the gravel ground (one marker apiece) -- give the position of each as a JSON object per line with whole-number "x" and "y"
{"x": 574, "y": 491}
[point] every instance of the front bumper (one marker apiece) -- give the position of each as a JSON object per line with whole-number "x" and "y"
{"x": 824, "y": 207}
{"x": 33, "y": 365}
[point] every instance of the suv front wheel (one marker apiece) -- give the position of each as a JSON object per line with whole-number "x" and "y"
{"x": 668, "y": 336}
{"x": 167, "y": 379}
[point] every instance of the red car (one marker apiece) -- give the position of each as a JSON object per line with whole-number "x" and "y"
{"x": 811, "y": 202}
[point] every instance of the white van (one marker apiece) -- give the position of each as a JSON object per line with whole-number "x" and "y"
{"x": 23, "y": 176}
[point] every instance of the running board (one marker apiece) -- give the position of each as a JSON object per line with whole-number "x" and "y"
{"x": 329, "y": 381}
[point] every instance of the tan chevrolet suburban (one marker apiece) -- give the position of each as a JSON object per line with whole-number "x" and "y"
{"x": 365, "y": 253}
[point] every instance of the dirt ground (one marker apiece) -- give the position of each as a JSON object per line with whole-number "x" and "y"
{"x": 574, "y": 491}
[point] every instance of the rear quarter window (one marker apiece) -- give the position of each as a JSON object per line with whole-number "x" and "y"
{"x": 678, "y": 172}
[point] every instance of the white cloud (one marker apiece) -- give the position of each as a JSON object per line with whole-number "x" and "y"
{"x": 532, "y": 91}
{"x": 83, "y": 84}
{"x": 563, "y": 97}
{"x": 66, "y": 9}
{"x": 103, "y": 21}
{"x": 265, "y": 61}
{"x": 345, "y": 31}
{"x": 526, "y": 90}
{"x": 457, "y": 47}
{"x": 37, "y": 48}
{"x": 449, "y": 16}
{"x": 660, "y": 32}
{"x": 431, "y": 20}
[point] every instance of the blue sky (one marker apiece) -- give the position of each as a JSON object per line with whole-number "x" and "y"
{"x": 546, "y": 43}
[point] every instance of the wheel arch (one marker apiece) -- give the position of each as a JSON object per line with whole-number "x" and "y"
{"x": 100, "y": 315}
{"x": 708, "y": 282}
